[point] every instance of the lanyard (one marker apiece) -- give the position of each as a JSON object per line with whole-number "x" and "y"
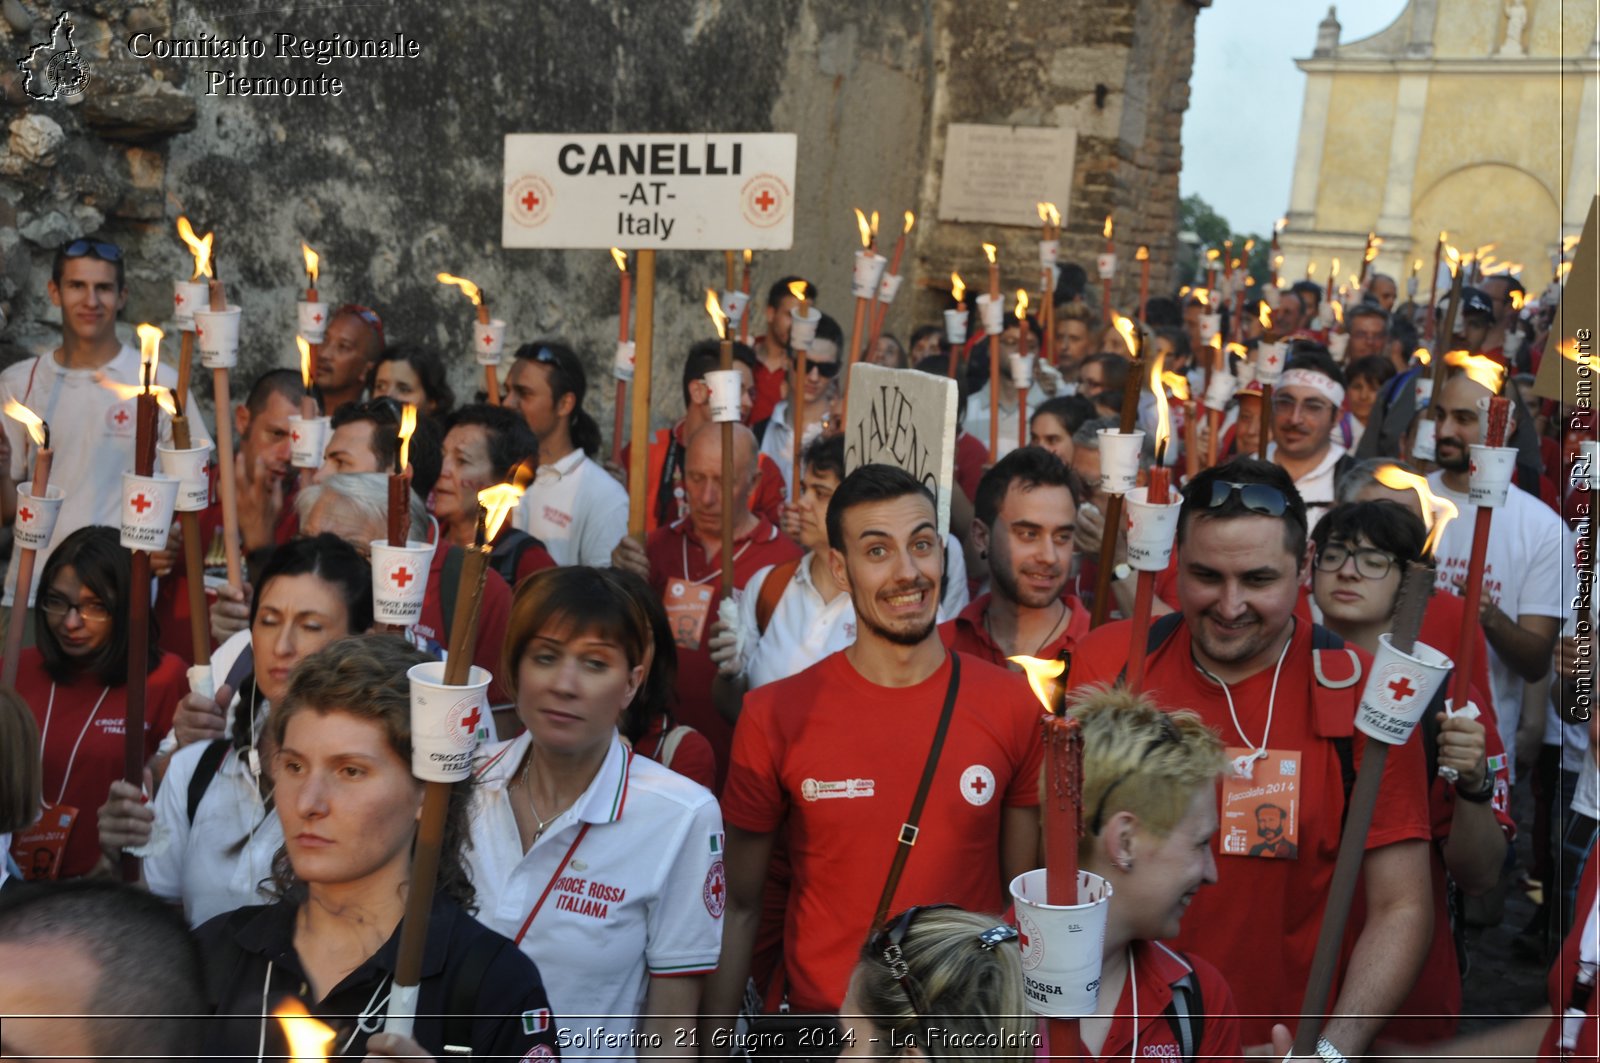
{"x": 737, "y": 554}
{"x": 548, "y": 886}
{"x": 72, "y": 758}
{"x": 1244, "y": 765}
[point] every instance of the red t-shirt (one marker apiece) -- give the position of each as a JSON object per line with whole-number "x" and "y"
{"x": 770, "y": 384}
{"x": 494, "y": 612}
{"x": 533, "y": 559}
{"x": 82, "y": 778}
{"x": 971, "y": 457}
{"x": 666, "y": 448}
{"x": 1256, "y": 900}
{"x": 678, "y": 561}
{"x": 968, "y": 634}
{"x": 692, "y": 758}
{"x": 836, "y": 760}
{"x": 1563, "y": 977}
{"x": 1156, "y": 969}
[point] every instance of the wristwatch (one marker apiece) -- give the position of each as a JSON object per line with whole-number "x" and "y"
{"x": 1482, "y": 794}
{"x": 1329, "y": 1054}
{"x": 1121, "y": 571}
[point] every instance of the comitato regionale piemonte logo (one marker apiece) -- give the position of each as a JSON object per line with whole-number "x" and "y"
{"x": 54, "y": 70}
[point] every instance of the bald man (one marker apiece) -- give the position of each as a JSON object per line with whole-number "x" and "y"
{"x": 683, "y": 563}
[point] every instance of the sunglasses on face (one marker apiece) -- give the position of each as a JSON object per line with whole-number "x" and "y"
{"x": 93, "y": 248}
{"x": 826, "y": 370}
{"x": 1257, "y": 498}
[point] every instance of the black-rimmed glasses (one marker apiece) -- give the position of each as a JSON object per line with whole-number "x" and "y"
{"x": 1371, "y": 563}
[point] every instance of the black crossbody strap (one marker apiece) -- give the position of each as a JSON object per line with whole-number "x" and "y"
{"x": 908, "y": 829}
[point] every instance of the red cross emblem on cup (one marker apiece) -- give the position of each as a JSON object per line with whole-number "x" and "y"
{"x": 1401, "y": 690}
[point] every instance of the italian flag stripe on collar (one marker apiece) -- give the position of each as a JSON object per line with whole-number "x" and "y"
{"x": 620, "y": 798}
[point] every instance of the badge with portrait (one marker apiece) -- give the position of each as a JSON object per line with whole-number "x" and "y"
{"x": 38, "y": 849}
{"x": 687, "y": 605}
{"x": 1261, "y": 804}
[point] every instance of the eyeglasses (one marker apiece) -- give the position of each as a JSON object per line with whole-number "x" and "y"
{"x": 1313, "y": 407}
{"x": 1371, "y": 563}
{"x": 826, "y": 370}
{"x": 365, "y": 313}
{"x": 885, "y": 944}
{"x": 56, "y": 608}
{"x": 97, "y": 248}
{"x": 1169, "y": 736}
{"x": 1257, "y": 498}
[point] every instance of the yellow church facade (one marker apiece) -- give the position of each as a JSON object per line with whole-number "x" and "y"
{"x": 1474, "y": 117}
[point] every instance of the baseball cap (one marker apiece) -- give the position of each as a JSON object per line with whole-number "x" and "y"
{"x": 1474, "y": 301}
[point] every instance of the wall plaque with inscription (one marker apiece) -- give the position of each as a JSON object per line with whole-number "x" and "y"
{"x": 999, "y": 173}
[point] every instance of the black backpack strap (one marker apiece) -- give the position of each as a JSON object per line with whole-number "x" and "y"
{"x": 204, "y": 772}
{"x": 1162, "y": 628}
{"x": 461, "y": 1007}
{"x": 243, "y": 665}
{"x": 449, "y": 580}
{"x": 505, "y": 556}
{"x": 1186, "y": 1014}
{"x": 1344, "y": 746}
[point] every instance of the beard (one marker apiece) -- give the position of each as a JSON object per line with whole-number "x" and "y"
{"x": 912, "y": 631}
{"x": 1005, "y": 581}
{"x": 1452, "y": 455}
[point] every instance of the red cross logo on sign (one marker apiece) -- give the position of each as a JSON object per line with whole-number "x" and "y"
{"x": 141, "y": 503}
{"x": 1402, "y": 689}
{"x": 530, "y": 199}
{"x": 765, "y": 200}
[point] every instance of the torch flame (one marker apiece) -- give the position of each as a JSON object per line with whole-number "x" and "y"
{"x": 1569, "y": 242}
{"x": 1518, "y": 299}
{"x": 874, "y": 226}
{"x": 408, "y": 424}
{"x": 306, "y": 373}
{"x": 1238, "y": 349}
{"x": 468, "y": 289}
{"x": 958, "y": 287}
{"x": 1480, "y": 252}
{"x": 312, "y": 258}
{"x": 1125, "y": 329}
{"x": 1177, "y": 383}
{"x": 1163, "y": 419}
{"x": 1055, "y": 215}
{"x": 864, "y": 226}
{"x": 1416, "y": 265}
{"x": 1250, "y": 245}
{"x": 1338, "y": 313}
{"x": 1372, "y": 250}
{"x": 1142, "y": 255}
{"x": 1562, "y": 271}
{"x": 200, "y": 247}
{"x": 796, "y": 289}
{"x": 1569, "y": 351}
{"x": 1202, "y": 296}
{"x": 911, "y": 219}
{"x": 309, "y": 1039}
{"x": 1282, "y": 224}
{"x": 1436, "y": 511}
{"x": 1311, "y": 269}
{"x": 1483, "y": 371}
{"x": 32, "y": 421}
{"x": 718, "y": 318}
{"x": 988, "y": 252}
{"x": 498, "y": 501}
{"x": 1213, "y": 254}
{"x": 1022, "y": 304}
{"x": 1422, "y": 355}
{"x": 149, "y": 351}
{"x": 1108, "y": 228}
{"x": 1264, "y": 315}
{"x": 1044, "y": 215}
{"x": 1041, "y": 676}
{"x": 620, "y": 257}
{"x": 163, "y": 396}
{"x": 1333, "y": 271}
{"x": 1451, "y": 254}
{"x": 748, "y": 255}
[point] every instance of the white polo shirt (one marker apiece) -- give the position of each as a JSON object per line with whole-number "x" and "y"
{"x": 580, "y": 515}
{"x": 803, "y": 629}
{"x": 778, "y": 442}
{"x": 1012, "y": 418}
{"x": 626, "y": 896}
{"x": 1315, "y": 487}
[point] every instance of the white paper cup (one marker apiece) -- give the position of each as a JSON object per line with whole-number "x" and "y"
{"x": 868, "y": 268}
{"x": 36, "y": 517}
{"x": 1049, "y": 253}
{"x": 1210, "y": 327}
{"x": 202, "y": 681}
{"x": 1422, "y": 444}
{"x": 217, "y": 332}
{"x": 955, "y": 327}
{"x": 1151, "y": 530}
{"x": 733, "y": 304}
{"x": 1483, "y": 420}
{"x": 1119, "y": 460}
{"x": 622, "y": 361}
{"x": 1422, "y": 390}
{"x": 1399, "y": 688}
{"x": 1269, "y": 361}
{"x": 1489, "y": 475}
{"x": 725, "y": 386}
{"x": 1512, "y": 346}
{"x": 1220, "y": 391}
{"x": 147, "y": 505}
{"x": 993, "y": 314}
{"x": 307, "y": 440}
{"x": 1337, "y": 342}
{"x": 191, "y": 469}
{"x": 488, "y": 341}
{"x": 1246, "y": 373}
{"x": 1021, "y": 369}
{"x": 399, "y": 581}
{"x": 889, "y": 287}
{"x": 1061, "y": 944}
{"x": 187, "y": 297}
{"x": 802, "y": 330}
{"x": 313, "y": 321}
{"x": 445, "y": 721}
{"x": 1106, "y": 263}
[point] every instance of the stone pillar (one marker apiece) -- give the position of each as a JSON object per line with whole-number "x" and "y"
{"x": 1411, "y": 100}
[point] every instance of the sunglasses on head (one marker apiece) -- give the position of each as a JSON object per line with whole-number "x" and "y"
{"x": 366, "y": 314}
{"x": 826, "y": 370}
{"x": 885, "y": 945}
{"x": 94, "y": 248}
{"x": 1257, "y": 498}
{"x": 1169, "y": 736}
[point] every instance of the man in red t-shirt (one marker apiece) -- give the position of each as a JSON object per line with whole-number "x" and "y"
{"x": 1283, "y": 694}
{"x": 1025, "y": 509}
{"x": 773, "y": 364}
{"x": 833, "y": 756}
{"x": 683, "y": 561}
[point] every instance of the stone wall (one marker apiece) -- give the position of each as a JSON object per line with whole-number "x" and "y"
{"x": 399, "y": 177}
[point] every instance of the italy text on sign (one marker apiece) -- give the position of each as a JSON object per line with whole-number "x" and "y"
{"x": 905, "y": 418}
{"x": 679, "y": 191}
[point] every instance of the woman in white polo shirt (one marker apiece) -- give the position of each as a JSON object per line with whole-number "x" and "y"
{"x": 605, "y": 867}
{"x": 212, "y": 816}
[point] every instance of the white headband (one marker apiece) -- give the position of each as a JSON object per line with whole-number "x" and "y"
{"x": 1322, "y": 385}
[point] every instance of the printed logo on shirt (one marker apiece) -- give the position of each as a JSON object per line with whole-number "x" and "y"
{"x": 538, "y": 1052}
{"x": 977, "y": 785}
{"x": 582, "y": 896}
{"x": 119, "y": 419}
{"x": 819, "y": 790}
{"x": 715, "y": 890}
{"x": 559, "y": 517}
{"x": 1161, "y": 1051}
{"x": 536, "y": 1021}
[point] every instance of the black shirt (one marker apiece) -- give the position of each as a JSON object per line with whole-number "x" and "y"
{"x": 513, "y": 1019}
